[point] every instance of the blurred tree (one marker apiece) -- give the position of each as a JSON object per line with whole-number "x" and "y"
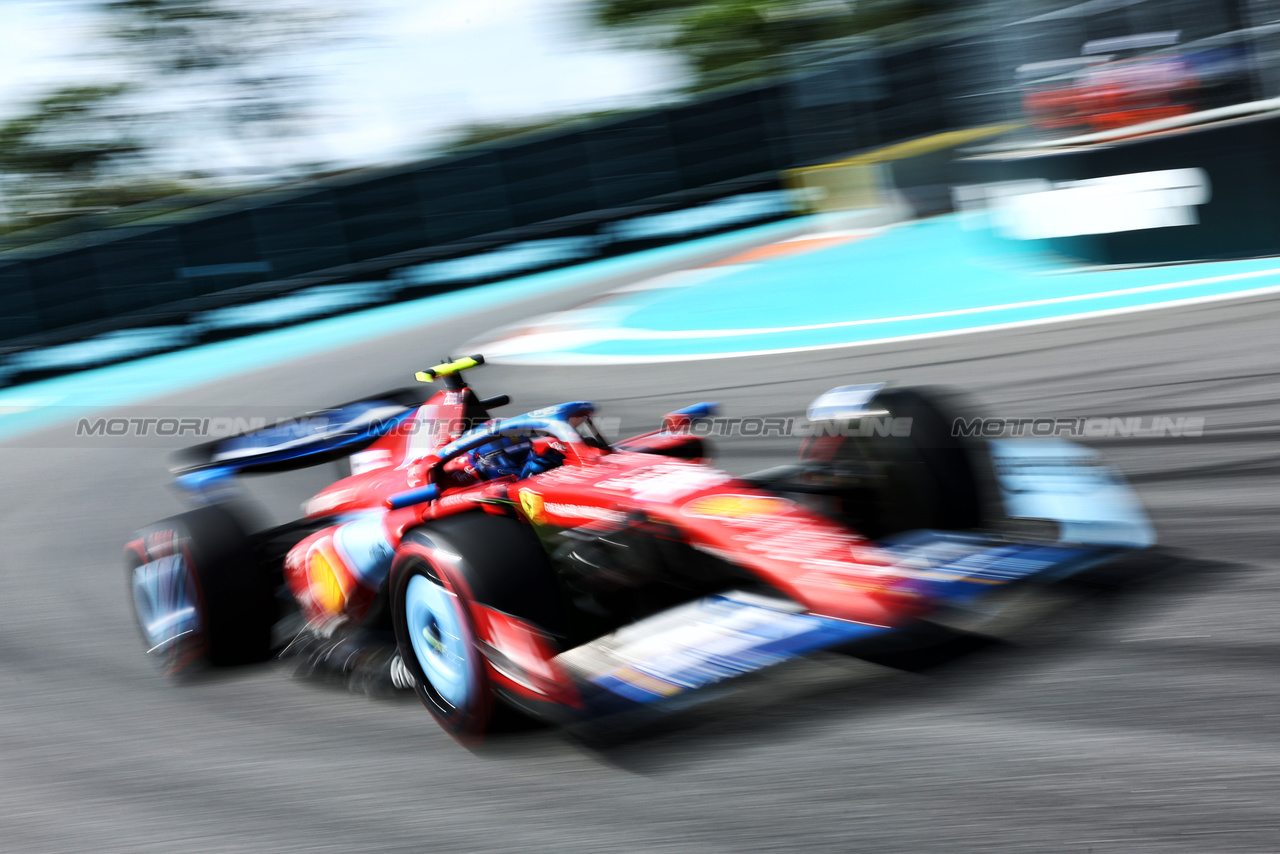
{"x": 725, "y": 41}
{"x": 226, "y": 69}
{"x": 213, "y": 88}
{"x": 71, "y": 131}
{"x": 55, "y": 154}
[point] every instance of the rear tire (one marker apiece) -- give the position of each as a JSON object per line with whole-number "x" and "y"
{"x": 438, "y": 571}
{"x": 199, "y": 592}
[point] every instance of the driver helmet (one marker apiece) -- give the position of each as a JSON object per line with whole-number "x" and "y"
{"x": 514, "y": 456}
{"x": 502, "y": 457}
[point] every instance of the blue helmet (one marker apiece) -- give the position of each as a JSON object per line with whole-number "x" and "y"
{"x": 512, "y": 456}
{"x": 501, "y": 457}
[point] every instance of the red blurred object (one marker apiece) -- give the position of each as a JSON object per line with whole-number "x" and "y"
{"x": 1114, "y": 95}
{"x": 527, "y": 563}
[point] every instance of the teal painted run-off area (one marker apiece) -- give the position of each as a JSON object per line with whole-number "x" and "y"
{"x": 926, "y": 278}
{"x": 34, "y": 406}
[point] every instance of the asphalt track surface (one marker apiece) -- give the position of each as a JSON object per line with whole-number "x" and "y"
{"x": 1145, "y": 722}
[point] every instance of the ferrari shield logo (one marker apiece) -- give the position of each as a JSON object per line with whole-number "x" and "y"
{"x": 531, "y": 504}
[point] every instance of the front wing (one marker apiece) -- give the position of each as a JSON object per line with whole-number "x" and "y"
{"x": 717, "y": 638}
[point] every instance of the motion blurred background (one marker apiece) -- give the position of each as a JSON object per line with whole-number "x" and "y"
{"x": 178, "y": 172}
{"x": 162, "y": 161}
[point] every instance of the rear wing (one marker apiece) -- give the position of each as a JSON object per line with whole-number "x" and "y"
{"x": 301, "y": 442}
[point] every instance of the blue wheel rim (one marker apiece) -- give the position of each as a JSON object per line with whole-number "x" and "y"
{"x": 441, "y": 639}
{"x": 164, "y": 599}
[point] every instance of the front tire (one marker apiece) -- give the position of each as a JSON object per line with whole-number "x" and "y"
{"x": 885, "y": 484}
{"x": 439, "y": 570}
{"x": 436, "y": 639}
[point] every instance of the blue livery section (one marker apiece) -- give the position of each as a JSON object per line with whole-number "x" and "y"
{"x": 702, "y": 643}
{"x": 306, "y": 435}
{"x": 297, "y": 443}
{"x": 956, "y": 570}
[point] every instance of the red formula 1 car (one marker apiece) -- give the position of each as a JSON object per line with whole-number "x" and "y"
{"x": 527, "y": 563}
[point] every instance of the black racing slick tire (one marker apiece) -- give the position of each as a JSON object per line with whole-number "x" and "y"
{"x": 199, "y": 592}
{"x": 439, "y": 570}
{"x": 925, "y": 478}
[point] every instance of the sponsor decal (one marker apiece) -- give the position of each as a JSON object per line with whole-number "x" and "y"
{"x": 326, "y": 586}
{"x": 646, "y": 682}
{"x": 326, "y": 502}
{"x": 537, "y": 509}
{"x": 736, "y": 506}
{"x": 369, "y": 460}
{"x": 796, "y": 539}
{"x": 705, "y": 642}
{"x": 454, "y": 500}
{"x": 163, "y": 543}
{"x": 584, "y": 511}
{"x": 568, "y": 475}
{"x": 665, "y": 483}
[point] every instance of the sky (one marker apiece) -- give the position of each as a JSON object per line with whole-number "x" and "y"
{"x": 410, "y": 69}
